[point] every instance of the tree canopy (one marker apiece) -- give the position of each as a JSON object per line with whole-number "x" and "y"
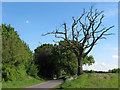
{"x": 53, "y": 60}
{"x": 16, "y": 56}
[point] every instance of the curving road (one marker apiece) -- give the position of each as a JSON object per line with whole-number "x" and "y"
{"x": 48, "y": 84}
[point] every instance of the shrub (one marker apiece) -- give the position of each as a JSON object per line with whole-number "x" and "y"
{"x": 33, "y": 70}
{"x": 115, "y": 70}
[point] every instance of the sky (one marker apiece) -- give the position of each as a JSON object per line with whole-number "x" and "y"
{"x": 60, "y": 0}
{"x": 32, "y": 19}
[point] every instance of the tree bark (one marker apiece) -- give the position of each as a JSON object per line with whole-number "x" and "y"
{"x": 80, "y": 69}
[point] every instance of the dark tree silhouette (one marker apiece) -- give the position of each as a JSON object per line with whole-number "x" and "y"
{"x": 85, "y": 31}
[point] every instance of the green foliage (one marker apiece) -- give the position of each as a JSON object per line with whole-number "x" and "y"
{"x": 89, "y": 60}
{"x": 90, "y": 71}
{"x": 114, "y": 70}
{"x": 68, "y": 62}
{"x": 16, "y": 55}
{"x": 33, "y": 70}
{"x": 47, "y": 65}
{"x": 56, "y": 61}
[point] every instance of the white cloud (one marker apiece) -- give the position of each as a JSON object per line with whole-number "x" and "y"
{"x": 115, "y": 56}
{"x": 99, "y": 67}
{"x": 27, "y": 21}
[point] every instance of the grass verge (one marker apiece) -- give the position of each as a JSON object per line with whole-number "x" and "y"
{"x": 23, "y": 83}
{"x": 93, "y": 80}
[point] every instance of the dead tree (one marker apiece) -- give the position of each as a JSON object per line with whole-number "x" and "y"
{"x": 85, "y": 32}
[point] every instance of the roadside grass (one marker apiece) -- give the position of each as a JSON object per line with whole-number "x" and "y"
{"x": 0, "y": 75}
{"x": 23, "y": 83}
{"x": 57, "y": 86}
{"x": 93, "y": 80}
{"x": 0, "y": 85}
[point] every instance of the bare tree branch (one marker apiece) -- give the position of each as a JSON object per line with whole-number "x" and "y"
{"x": 86, "y": 37}
{"x": 97, "y": 40}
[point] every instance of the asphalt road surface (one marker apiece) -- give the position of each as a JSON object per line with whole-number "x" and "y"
{"x": 47, "y": 84}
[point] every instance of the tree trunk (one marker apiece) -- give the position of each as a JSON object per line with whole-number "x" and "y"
{"x": 80, "y": 69}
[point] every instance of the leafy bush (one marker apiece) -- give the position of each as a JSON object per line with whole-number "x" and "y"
{"x": 92, "y": 71}
{"x": 33, "y": 70}
{"x": 89, "y": 71}
{"x": 114, "y": 70}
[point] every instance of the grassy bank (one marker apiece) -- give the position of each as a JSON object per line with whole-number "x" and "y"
{"x": 23, "y": 83}
{"x": 93, "y": 80}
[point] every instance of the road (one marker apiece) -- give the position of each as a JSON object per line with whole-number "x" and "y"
{"x": 47, "y": 84}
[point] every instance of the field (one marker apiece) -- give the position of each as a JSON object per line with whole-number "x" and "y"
{"x": 93, "y": 80}
{"x": 24, "y": 83}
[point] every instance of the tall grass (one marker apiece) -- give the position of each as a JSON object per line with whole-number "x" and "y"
{"x": 93, "y": 80}
{"x": 23, "y": 83}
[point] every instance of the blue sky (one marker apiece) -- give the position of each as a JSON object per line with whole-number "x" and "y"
{"x": 31, "y": 20}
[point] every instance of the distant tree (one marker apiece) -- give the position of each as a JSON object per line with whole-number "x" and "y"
{"x": 86, "y": 31}
{"x": 45, "y": 61}
{"x": 53, "y": 60}
{"x": 117, "y": 70}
